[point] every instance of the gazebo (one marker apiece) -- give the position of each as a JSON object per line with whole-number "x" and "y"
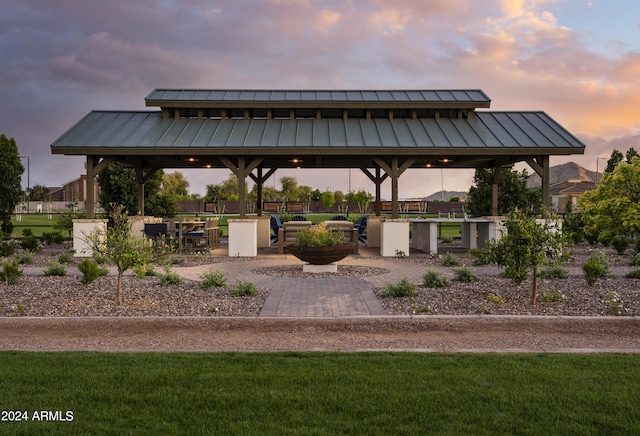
{"x": 256, "y": 132}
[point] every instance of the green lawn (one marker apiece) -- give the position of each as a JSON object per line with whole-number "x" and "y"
{"x": 322, "y": 393}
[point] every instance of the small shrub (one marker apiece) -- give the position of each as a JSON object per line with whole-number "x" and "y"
{"x": 55, "y": 268}
{"x": 496, "y": 299}
{"x": 595, "y": 267}
{"x": 404, "y": 288}
{"x": 52, "y": 238}
{"x": 554, "y": 272}
{"x": 213, "y": 279}
{"x": 633, "y": 274}
{"x": 446, "y": 239}
{"x": 66, "y": 257}
{"x": 91, "y": 270}
{"x": 620, "y": 243}
{"x": 552, "y": 296}
{"x": 431, "y": 279}
{"x": 318, "y": 236}
{"x": 481, "y": 256}
{"x": 464, "y": 274}
{"x": 450, "y": 260}
{"x": 245, "y": 288}
{"x": 11, "y": 272}
{"x": 170, "y": 278}
{"x": 25, "y": 258}
{"x": 635, "y": 260}
{"x": 31, "y": 243}
{"x": 400, "y": 254}
{"x": 484, "y": 308}
{"x": 7, "y": 248}
{"x": 614, "y": 305}
{"x": 27, "y": 232}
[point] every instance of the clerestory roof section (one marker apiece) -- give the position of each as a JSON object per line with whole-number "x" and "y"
{"x": 255, "y": 98}
{"x": 515, "y": 134}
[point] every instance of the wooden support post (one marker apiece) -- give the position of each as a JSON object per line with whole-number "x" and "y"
{"x": 89, "y": 205}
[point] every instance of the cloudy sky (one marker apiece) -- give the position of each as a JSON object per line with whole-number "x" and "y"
{"x": 577, "y": 60}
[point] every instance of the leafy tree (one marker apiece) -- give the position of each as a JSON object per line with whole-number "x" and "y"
{"x": 226, "y": 190}
{"x": 339, "y": 196}
{"x": 614, "y": 160}
{"x": 118, "y": 185}
{"x": 362, "y": 197}
{"x": 175, "y": 185}
{"x": 327, "y": 199}
{"x": 289, "y": 190}
{"x": 126, "y": 250}
{"x": 454, "y": 199}
{"x": 613, "y": 208}
{"x": 38, "y": 192}
{"x": 513, "y": 193}
{"x": 631, "y": 154}
{"x": 64, "y": 221}
{"x": 527, "y": 246}
{"x": 316, "y": 195}
{"x": 11, "y": 170}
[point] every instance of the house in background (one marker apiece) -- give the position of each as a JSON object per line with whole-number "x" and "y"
{"x": 568, "y": 192}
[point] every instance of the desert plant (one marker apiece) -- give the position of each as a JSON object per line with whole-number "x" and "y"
{"x": 403, "y": 288}
{"x": 7, "y": 248}
{"x": 91, "y": 270}
{"x": 554, "y": 272}
{"x": 170, "y": 278}
{"x": 464, "y": 274}
{"x": 431, "y": 279}
{"x": 481, "y": 256}
{"x": 451, "y": 260}
{"x": 66, "y": 256}
{"x": 633, "y": 274}
{"x": 52, "y": 238}
{"x": 620, "y": 243}
{"x": 635, "y": 260}
{"x": 614, "y": 305}
{"x": 25, "y": 258}
{"x": 31, "y": 243}
{"x": 213, "y": 279}
{"x": 318, "y": 236}
{"x": 10, "y": 272}
{"x": 495, "y": 298}
{"x": 245, "y": 288}
{"x": 55, "y": 268}
{"x": 552, "y": 296}
{"x": 595, "y": 267}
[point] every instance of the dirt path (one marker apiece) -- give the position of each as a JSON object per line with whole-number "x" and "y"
{"x": 428, "y": 333}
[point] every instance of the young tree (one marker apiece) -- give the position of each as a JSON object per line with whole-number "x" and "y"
{"x": 362, "y": 197}
{"x": 11, "y": 170}
{"x": 327, "y": 199}
{"x": 613, "y": 208}
{"x": 289, "y": 190}
{"x": 513, "y": 193}
{"x": 126, "y": 250}
{"x": 527, "y": 246}
{"x": 614, "y": 160}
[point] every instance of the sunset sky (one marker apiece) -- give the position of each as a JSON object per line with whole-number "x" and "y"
{"x": 577, "y": 60}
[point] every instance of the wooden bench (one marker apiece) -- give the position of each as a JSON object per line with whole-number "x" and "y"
{"x": 271, "y": 206}
{"x": 295, "y": 206}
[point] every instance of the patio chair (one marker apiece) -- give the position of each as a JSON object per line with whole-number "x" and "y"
{"x": 299, "y": 218}
{"x": 361, "y": 225}
{"x": 275, "y": 226}
{"x": 338, "y": 218}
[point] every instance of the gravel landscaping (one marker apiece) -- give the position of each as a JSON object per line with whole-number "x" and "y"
{"x": 492, "y": 294}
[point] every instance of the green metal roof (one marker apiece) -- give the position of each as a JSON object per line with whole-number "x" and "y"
{"x": 518, "y": 134}
{"x": 316, "y": 98}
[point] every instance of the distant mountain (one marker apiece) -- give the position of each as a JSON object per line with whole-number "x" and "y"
{"x": 562, "y": 173}
{"x": 447, "y": 195}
